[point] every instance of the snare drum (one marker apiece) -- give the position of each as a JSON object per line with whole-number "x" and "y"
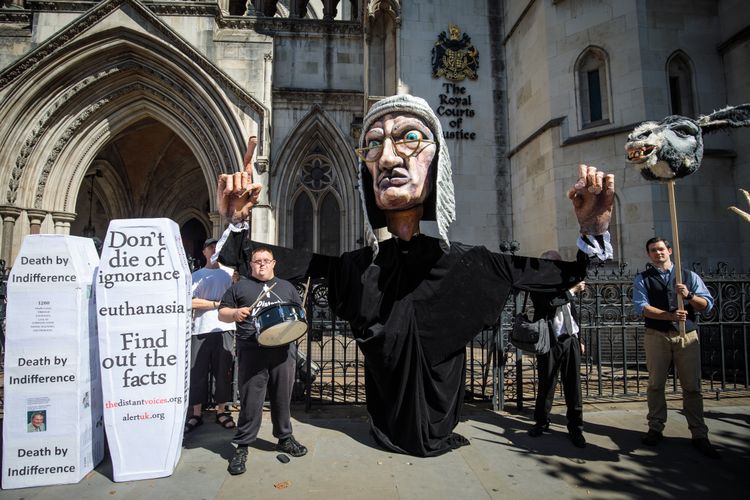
{"x": 280, "y": 324}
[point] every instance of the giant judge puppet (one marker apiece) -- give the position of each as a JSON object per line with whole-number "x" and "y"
{"x": 414, "y": 301}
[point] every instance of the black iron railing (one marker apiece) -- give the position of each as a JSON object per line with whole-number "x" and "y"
{"x": 613, "y": 366}
{"x": 331, "y": 367}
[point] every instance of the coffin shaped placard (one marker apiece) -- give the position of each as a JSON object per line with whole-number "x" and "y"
{"x": 52, "y": 426}
{"x": 143, "y": 310}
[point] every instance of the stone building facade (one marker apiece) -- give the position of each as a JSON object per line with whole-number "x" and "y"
{"x": 132, "y": 108}
{"x": 649, "y": 60}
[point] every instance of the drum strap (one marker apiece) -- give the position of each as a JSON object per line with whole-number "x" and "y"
{"x": 263, "y": 292}
{"x": 274, "y": 293}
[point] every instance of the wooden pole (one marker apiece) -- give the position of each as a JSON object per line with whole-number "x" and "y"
{"x": 676, "y": 249}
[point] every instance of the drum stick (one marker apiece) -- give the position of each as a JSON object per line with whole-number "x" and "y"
{"x": 307, "y": 289}
{"x": 261, "y": 295}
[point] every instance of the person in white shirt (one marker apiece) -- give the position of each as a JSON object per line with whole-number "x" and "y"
{"x": 211, "y": 344}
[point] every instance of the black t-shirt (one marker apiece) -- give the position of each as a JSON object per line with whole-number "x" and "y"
{"x": 247, "y": 290}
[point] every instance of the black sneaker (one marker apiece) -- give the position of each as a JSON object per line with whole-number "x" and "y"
{"x": 576, "y": 437}
{"x": 652, "y": 438}
{"x": 705, "y": 447}
{"x": 237, "y": 463}
{"x": 537, "y": 430}
{"x": 290, "y": 446}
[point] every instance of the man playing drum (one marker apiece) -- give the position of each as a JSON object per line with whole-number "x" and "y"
{"x": 415, "y": 301}
{"x": 261, "y": 367}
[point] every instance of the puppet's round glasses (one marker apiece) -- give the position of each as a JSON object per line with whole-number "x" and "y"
{"x": 405, "y": 148}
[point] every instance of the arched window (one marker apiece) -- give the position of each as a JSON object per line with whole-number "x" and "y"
{"x": 316, "y": 216}
{"x": 304, "y": 217}
{"x": 317, "y": 160}
{"x": 330, "y": 226}
{"x": 680, "y": 77}
{"x": 237, "y": 7}
{"x": 593, "y": 87}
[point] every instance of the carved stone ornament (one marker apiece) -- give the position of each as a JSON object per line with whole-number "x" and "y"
{"x": 391, "y": 7}
{"x": 261, "y": 165}
{"x": 102, "y": 10}
{"x": 317, "y": 173}
{"x": 454, "y": 57}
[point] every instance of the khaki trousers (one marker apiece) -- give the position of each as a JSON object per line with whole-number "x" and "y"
{"x": 663, "y": 348}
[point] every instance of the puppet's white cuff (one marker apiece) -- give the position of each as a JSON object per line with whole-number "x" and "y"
{"x": 596, "y": 246}
{"x": 231, "y": 228}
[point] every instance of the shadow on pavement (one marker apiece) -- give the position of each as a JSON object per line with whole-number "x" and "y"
{"x": 615, "y": 461}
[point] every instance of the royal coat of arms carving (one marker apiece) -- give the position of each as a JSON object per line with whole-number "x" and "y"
{"x": 454, "y": 57}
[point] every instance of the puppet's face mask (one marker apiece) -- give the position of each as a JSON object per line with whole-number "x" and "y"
{"x": 669, "y": 149}
{"x": 398, "y": 151}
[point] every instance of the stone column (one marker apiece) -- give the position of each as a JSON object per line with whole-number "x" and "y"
{"x": 36, "y": 217}
{"x": 330, "y": 9}
{"x": 216, "y": 226}
{"x": 62, "y": 221}
{"x": 261, "y": 155}
{"x": 9, "y": 214}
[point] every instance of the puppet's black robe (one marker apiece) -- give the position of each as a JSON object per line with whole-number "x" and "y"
{"x": 412, "y": 311}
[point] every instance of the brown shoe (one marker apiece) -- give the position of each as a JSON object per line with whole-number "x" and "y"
{"x": 225, "y": 420}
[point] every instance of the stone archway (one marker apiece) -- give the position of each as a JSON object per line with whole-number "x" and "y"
{"x": 82, "y": 104}
{"x": 146, "y": 170}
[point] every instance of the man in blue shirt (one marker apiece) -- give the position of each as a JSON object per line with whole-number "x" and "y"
{"x": 655, "y": 297}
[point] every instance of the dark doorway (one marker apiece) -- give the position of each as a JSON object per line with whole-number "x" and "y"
{"x": 193, "y": 235}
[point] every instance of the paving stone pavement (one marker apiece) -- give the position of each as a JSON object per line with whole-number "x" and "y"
{"x": 502, "y": 462}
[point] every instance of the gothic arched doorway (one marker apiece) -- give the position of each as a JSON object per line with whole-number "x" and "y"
{"x": 145, "y": 171}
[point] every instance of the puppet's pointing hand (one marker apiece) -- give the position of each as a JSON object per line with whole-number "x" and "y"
{"x": 739, "y": 212}
{"x": 236, "y": 192}
{"x": 593, "y": 195}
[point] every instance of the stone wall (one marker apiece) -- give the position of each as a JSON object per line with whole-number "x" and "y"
{"x": 547, "y": 139}
{"x": 480, "y": 218}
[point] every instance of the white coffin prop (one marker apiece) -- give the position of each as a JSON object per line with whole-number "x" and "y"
{"x": 143, "y": 310}
{"x": 51, "y": 364}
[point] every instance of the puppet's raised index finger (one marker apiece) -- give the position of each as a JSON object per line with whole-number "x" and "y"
{"x": 247, "y": 161}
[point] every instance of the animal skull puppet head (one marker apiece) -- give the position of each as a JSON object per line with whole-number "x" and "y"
{"x": 673, "y": 147}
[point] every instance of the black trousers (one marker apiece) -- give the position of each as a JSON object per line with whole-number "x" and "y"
{"x": 262, "y": 368}
{"x": 563, "y": 360}
{"x": 211, "y": 353}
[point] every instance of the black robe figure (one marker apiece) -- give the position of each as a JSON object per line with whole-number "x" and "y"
{"x": 412, "y": 311}
{"x": 414, "y": 305}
